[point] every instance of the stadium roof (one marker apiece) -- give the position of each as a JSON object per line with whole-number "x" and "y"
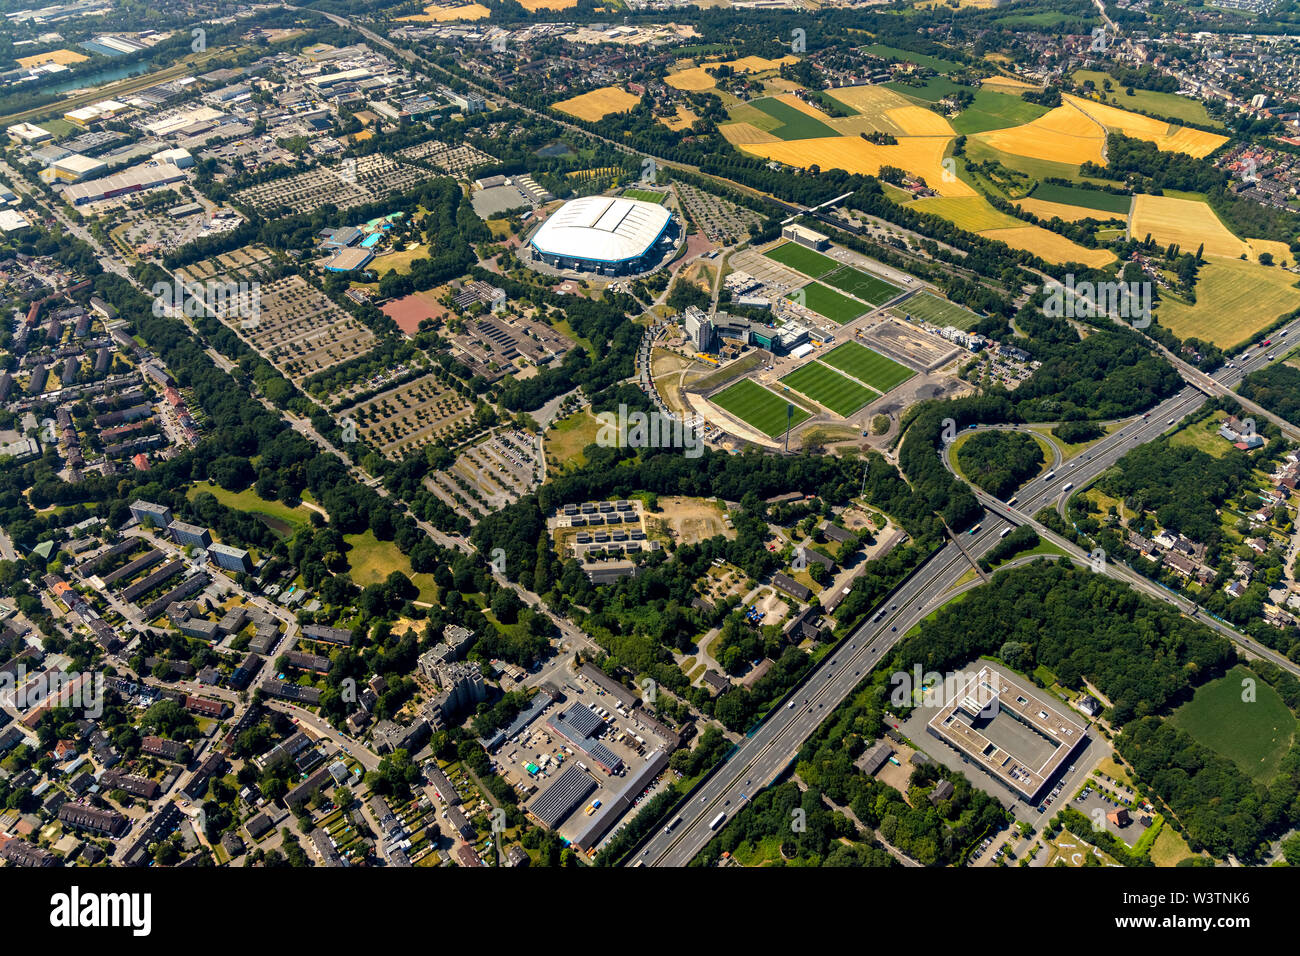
{"x": 602, "y": 229}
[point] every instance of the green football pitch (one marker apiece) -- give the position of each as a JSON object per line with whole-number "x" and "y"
{"x": 867, "y": 366}
{"x": 825, "y": 301}
{"x": 829, "y": 388}
{"x": 802, "y": 259}
{"x": 937, "y": 311}
{"x": 755, "y": 405}
{"x": 866, "y": 287}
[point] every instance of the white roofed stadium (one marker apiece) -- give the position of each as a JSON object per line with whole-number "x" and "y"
{"x": 604, "y": 234}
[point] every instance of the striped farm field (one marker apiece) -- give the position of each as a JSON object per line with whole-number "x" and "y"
{"x": 829, "y": 388}
{"x": 802, "y": 259}
{"x": 930, "y": 308}
{"x": 1078, "y": 196}
{"x": 827, "y": 302}
{"x": 1234, "y": 300}
{"x": 597, "y": 104}
{"x": 920, "y": 155}
{"x": 972, "y": 213}
{"x": 740, "y": 134}
{"x": 862, "y": 363}
{"x": 1065, "y": 135}
{"x": 796, "y": 122}
{"x": 1050, "y": 246}
{"x": 1047, "y": 211}
{"x": 866, "y": 287}
{"x": 756, "y": 406}
{"x": 1169, "y": 137}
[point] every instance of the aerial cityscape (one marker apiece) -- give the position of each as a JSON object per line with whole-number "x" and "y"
{"x": 648, "y": 433}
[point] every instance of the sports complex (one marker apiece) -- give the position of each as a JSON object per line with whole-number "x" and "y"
{"x": 606, "y": 235}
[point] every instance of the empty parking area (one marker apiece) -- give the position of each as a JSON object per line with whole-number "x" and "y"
{"x": 493, "y": 474}
{"x": 862, "y": 363}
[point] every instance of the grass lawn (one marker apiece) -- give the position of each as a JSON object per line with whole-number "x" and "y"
{"x": 276, "y": 515}
{"x": 645, "y": 195}
{"x": 1203, "y": 435}
{"x": 794, "y": 123}
{"x": 862, "y": 363}
{"x": 400, "y": 262}
{"x": 1087, "y": 198}
{"x": 743, "y": 364}
{"x": 759, "y": 407}
{"x": 1169, "y": 848}
{"x": 992, "y": 110}
{"x": 371, "y": 561}
{"x": 802, "y": 259}
{"x": 866, "y": 287}
{"x": 829, "y": 388}
{"x": 566, "y": 440}
{"x": 1254, "y": 735}
{"x": 932, "y": 91}
{"x": 938, "y": 311}
{"x": 826, "y": 301}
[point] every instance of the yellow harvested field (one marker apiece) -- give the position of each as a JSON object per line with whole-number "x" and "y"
{"x": 440, "y": 13}
{"x": 684, "y": 119}
{"x": 1048, "y": 210}
{"x": 1049, "y": 246}
{"x": 1167, "y": 137}
{"x": 1065, "y": 135}
{"x": 1280, "y": 251}
{"x": 1188, "y": 222}
{"x": 698, "y": 78}
{"x": 1234, "y": 300}
{"x": 918, "y": 121}
{"x": 870, "y": 99}
{"x": 972, "y": 213}
{"x": 742, "y": 134}
{"x": 598, "y": 104}
{"x": 61, "y": 57}
{"x": 920, "y": 155}
{"x": 534, "y": 5}
{"x": 1006, "y": 84}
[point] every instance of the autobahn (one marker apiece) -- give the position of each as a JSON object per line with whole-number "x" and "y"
{"x": 762, "y": 757}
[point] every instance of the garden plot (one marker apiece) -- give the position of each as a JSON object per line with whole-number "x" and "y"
{"x": 302, "y": 332}
{"x": 410, "y": 416}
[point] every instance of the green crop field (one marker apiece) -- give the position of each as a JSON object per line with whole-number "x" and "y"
{"x": 866, "y": 287}
{"x": 824, "y": 301}
{"x": 931, "y": 91}
{"x": 1087, "y": 198}
{"x": 645, "y": 195}
{"x": 1170, "y": 105}
{"x": 992, "y": 110}
{"x": 867, "y": 366}
{"x": 922, "y": 59}
{"x": 1254, "y": 735}
{"x": 802, "y": 259}
{"x": 795, "y": 124}
{"x": 931, "y": 308}
{"x": 829, "y": 388}
{"x": 754, "y": 404}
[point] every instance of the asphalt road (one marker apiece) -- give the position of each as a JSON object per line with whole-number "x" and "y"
{"x": 761, "y": 758}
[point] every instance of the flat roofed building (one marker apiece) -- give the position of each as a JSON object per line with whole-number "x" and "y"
{"x": 1025, "y": 755}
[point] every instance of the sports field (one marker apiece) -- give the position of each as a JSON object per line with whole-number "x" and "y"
{"x": 1252, "y": 734}
{"x": 645, "y": 195}
{"x": 829, "y": 388}
{"x": 1234, "y": 300}
{"x": 862, "y": 363}
{"x": 866, "y": 287}
{"x": 826, "y": 301}
{"x": 598, "y": 104}
{"x": 802, "y": 259}
{"x": 755, "y": 405}
{"x": 794, "y": 122}
{"x": 937, "y": 311}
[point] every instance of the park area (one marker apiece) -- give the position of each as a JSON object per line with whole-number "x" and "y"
{"x": 1254, "y": 733}
{"x": 758, "y": 407}
{"x": 862, "y": 363}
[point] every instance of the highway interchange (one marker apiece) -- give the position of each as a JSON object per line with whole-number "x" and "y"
{"x": 762, "y": 757}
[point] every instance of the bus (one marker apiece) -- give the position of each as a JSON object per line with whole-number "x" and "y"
{"x": 974, "y": 530}
{"x": 1050, "y": 476}
{"x": 1004, "y": 532}
{"x": 1068, "y": 486}
{"x": 717, "y": 821}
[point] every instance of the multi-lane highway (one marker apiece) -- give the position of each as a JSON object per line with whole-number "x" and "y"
{"x": 762, "y": 757}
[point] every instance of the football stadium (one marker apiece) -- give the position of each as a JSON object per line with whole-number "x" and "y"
{"x": 605, "y": 235}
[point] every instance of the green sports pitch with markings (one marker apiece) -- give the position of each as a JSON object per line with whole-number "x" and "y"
{"x": 862, "y": 363}
{"x": 755, "y": 405}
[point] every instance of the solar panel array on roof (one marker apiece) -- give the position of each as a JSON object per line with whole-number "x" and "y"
{"x": 580, "y": 720}
{"x": 561, "y": 798}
